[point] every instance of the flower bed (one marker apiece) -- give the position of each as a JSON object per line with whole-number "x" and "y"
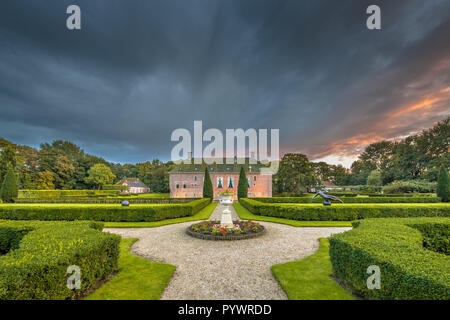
{"x": 212, "y": 230}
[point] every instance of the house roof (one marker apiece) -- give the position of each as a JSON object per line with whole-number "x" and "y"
{"x": 234, "y": 167}
{"x": 132, "y": 182}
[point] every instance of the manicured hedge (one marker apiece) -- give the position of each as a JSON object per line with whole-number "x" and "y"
{"x": 353, "y": 200}
{"x": 40, "y": 253}
{"x": 344, "y": 212}
{"x": 407, "y": 269}
{"x": 61, "y": 194}
{"x": 109, "y": 200}
{"x": 101, "y": 212}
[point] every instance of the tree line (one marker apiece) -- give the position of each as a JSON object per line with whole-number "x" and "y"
{"x": 418, "y": 157}
{"x": 64, "y": 165}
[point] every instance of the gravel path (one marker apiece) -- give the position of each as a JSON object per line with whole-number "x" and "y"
{"x": 225, "y": 269}
{"x": 216, "y": 215}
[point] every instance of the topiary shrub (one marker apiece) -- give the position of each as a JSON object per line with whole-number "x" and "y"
{"x": 243, "y": 184}
{"x": 35, "y": 268}
{"x": 207, "y": 186}
{"x": 407, "y": 269}
{"x": 10, "y": 189}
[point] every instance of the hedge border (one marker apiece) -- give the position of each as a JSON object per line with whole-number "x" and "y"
{"x": 408, "y": 271}
{"x": 35, "y": 267}
{"x": 345, "y": 212}
{"x": 101, "y": 212}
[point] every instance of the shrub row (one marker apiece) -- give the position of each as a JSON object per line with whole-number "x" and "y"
{"x": 353, "y": 200}
{"x": 101, "y": 212}
{"x": 60, "y": 194}
{"x": 407, "y": 269}
{"x": 344, "y": 212}
{"x": 40, "y": 253}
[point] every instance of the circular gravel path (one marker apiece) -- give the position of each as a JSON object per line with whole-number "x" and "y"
{"x": 225, "y": 270}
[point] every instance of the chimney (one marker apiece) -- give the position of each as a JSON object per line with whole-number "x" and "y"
{"x": 252, "y": 156}
{"x": 189, "y": 156}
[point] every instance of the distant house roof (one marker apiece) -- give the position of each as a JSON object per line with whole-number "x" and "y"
{"x": 214, "y": 167}
{"x": 132, "y": 182}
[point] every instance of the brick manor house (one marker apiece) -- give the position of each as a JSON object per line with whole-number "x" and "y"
{"x": 186, "y": 180}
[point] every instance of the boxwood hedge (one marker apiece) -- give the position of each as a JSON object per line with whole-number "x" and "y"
{"x": 65, "y": 194}
{"x": 408, "y": 270}
{"x": 344, "y": 212}
{"x": 39, "y": 253}
{"x": 101, "y": 212}
{"x": 352, "y": 200}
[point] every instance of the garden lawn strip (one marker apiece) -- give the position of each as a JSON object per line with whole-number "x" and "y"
{"x": 247, "y": 215}
{"x": 137, "y": 279}
{"x": 311, "y": 277}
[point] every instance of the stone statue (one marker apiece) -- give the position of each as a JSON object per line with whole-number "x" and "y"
{"x": 327, "y": 198}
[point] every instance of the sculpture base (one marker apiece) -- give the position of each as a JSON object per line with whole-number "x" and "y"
{"x": 226, "y": 221}
{"x": 327, "y": 203}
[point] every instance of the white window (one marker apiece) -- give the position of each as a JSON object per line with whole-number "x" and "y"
{"x": 195, "y": 178}
{"x": 220, "y": 182}
{"x": 230, "y": 182}
{"x": 249, "y": 183}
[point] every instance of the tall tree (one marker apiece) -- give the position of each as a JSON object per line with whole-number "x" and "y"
{"x": 10, "y": 188}
{"x": 99, "y": 175}
{"x": 8, "y": 156}
{"x": 443, "y": 189}
{"x": 44, "y": 180}
{"x": 242, "y": 184}
{"x": 207, "y": 186}
{"x": 295, "y": 174}
{"x": 374, "y": 179}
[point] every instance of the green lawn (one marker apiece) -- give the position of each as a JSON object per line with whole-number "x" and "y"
{"x": 245, "y": 214}
{"x": 201, "y": 215}
{"x": 137, "y": 279}
{"x": 310, "y": 278}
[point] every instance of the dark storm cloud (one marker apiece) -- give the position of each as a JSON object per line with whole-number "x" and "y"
{"x": 140, "y": 69}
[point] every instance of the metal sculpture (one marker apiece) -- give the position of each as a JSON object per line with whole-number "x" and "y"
{"x": 327, "y": 198}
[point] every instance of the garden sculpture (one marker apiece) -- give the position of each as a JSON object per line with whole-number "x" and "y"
{"x": 327, "y": 198}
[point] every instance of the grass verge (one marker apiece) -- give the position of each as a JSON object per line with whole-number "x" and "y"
{"x": 310, "y": 278}
{"x": 245, "y": 214}
{"x": 137, "y": 279}
{"x": 201, "y": 215}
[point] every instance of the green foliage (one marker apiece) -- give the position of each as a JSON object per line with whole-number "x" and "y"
{"x": 207, "y": 186}
{"x": 9, "y": 189}
{"x": 443, "y": 189}
{"x": 7, "y": 157}
{"x": 65, "y": 194}
{"x": 247, "y": 215}
{"x": 352, "y": 200}
{"x": 101, "y": 212}
{"x": 408, "y": 271}
{"x": 36, "y": 265}
{"x": 115, "y": 187}
{"x": 436, "y": 236}
{"x": 295, "y": 174}
{"x": 99, "y": 175}
{"x": 409, "y": 186}
{"x": 243, "y": 184}
{"x": 374, "y": 178}
{"x": 344, "y": 212}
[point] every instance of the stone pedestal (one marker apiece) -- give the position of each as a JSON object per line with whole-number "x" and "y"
{"x": 226, "y": 220}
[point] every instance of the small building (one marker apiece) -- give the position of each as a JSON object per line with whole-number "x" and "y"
{"x": 186, "y": 180}
{"x": 135, "y": 185}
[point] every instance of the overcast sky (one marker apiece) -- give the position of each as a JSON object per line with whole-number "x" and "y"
{"x": 137, "y": 70}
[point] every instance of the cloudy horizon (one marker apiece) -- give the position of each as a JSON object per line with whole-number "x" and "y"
{"x": 137, "y": 70}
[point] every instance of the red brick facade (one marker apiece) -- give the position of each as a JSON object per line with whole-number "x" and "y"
{"x": 190, "y": 185}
